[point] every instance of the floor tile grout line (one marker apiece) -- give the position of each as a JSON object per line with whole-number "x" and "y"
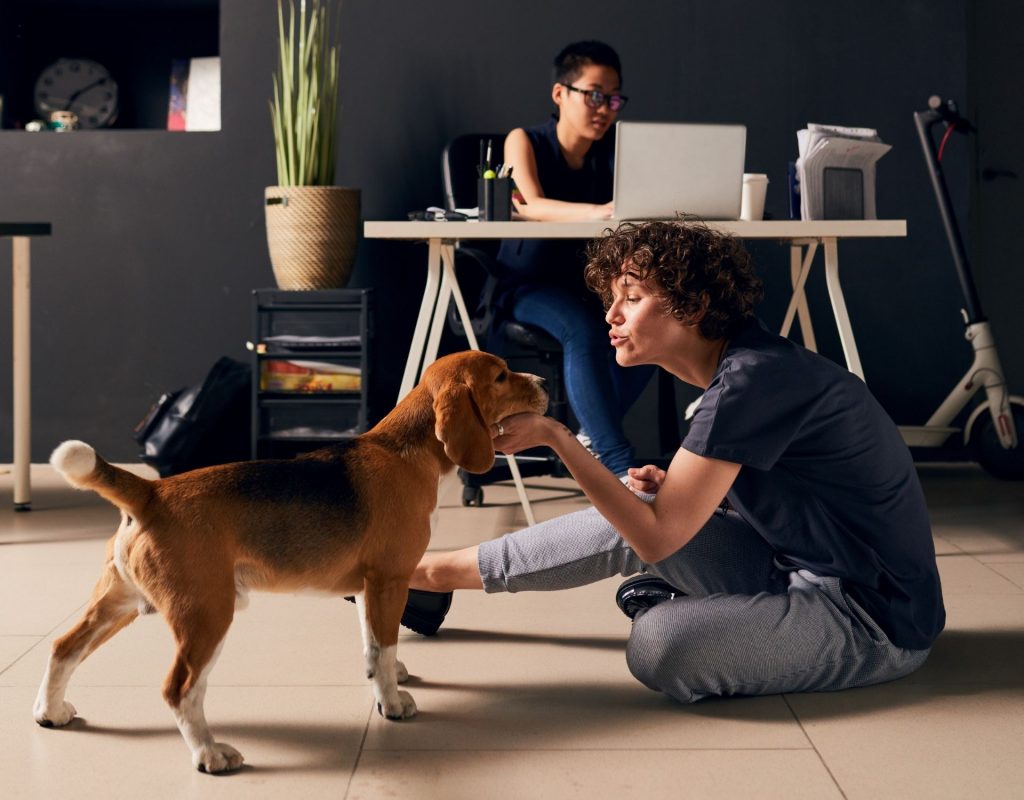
{"x": 821, "y": 758}
{"x": 808, "y": 749}
{"x": 990, "y": 566}
{"x": 914, "y": 684}
{"x": 359, "y": 753}
{"x": 32, "y": 647}
{"x": 156, "y": 687}
{"x": 41, "y": 639}
{"x": 959, "y": 550}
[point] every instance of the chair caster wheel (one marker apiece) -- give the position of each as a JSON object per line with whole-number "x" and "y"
{"x": 472, "y": 496}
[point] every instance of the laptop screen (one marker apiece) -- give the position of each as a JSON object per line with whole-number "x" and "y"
{"x": 663, "y": 169}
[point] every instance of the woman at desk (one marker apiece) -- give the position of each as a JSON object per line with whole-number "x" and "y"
{"x": 563, "y": 170}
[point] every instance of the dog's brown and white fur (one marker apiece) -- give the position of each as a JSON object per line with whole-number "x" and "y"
{"x": 346, "y": 519}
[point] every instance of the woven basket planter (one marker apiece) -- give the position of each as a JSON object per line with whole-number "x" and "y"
{"x": 312, "y": 233}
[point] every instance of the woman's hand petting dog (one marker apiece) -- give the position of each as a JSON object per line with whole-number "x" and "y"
{"x": 519, "y": 432}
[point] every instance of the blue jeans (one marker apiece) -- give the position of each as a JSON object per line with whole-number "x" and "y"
{"x": 600, "y": 391}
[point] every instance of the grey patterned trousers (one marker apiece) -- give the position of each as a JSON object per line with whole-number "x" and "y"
{"x": 747, "y": 625}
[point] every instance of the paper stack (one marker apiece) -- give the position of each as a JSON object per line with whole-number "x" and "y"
{"x": 836, "y": 171}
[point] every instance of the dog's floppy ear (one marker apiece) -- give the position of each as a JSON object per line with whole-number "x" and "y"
{"x": 461, "y": 429}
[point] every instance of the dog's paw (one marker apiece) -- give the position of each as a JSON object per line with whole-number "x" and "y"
{"x": 216, "y": 757}
{"x": 403, "y": 709}
{"x": 54, "y": 716}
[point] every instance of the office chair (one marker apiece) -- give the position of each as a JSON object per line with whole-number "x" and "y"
{"x": 478, "y": 277}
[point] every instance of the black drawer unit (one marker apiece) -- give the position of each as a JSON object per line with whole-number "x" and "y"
{"x": 311, "y": 369}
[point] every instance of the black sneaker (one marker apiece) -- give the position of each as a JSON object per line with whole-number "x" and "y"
{"x": 641, "y": 592}
{"x": 424, "y": 611}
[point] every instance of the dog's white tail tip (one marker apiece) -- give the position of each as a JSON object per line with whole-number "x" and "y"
{"x": 73, "y": 459}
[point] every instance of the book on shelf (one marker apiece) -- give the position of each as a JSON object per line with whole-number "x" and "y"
{"x": 194, "y": 100}
{"x": 179, "y": 88}
{"x": 295, "y": 375}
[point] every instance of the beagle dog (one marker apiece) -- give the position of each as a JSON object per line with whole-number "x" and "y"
{"x": 351, "y": 518}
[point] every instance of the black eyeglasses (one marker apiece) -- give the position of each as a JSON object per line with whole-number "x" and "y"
{"x": 595, "y": 99}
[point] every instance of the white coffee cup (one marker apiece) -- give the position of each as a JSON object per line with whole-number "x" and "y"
{"x": 755, "y": 187}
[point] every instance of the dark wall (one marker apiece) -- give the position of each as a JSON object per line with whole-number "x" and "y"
{"x": 159, "y": 238}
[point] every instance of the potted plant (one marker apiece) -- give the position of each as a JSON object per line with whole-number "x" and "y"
{"x": 312, "y": 225}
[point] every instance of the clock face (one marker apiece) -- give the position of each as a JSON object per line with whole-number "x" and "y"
{"x": 81, "y": 86}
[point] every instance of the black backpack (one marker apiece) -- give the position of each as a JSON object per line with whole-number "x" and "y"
{"x": 200, "y": 425}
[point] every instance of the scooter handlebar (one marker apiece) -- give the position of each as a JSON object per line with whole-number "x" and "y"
{"x": 947, "y": 111}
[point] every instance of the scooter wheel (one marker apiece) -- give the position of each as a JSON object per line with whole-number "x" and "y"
{"x": 987, "y": 450}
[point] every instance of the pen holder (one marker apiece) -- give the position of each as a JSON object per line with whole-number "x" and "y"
{"x": 494, "y": 197}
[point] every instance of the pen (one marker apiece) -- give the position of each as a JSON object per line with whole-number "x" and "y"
{"x": 488, "y": 160}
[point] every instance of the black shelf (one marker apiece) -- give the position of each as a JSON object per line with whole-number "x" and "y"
{"x": 287, "y": 423}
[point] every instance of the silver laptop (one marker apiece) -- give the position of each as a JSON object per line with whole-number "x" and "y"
{"x": 666, "y": 168}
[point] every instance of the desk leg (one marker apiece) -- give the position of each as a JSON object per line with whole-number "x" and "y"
{"x": 419, "y": 336}
{"x": 448, "y": 254}
{"x": 798, "y": 298}
{"x": 798, "y": 273}
{"x": 835, "y": 292}
{"x": 444, "y": 297}
{"x": 22, "y": 373}
{"x": 451, "y": 281}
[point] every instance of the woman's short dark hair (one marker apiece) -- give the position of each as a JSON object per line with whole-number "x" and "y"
{"x": 700, "y": 273}
{"x": 574, "y": 57}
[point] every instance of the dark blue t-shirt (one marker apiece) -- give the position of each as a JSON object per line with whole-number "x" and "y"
{"x": 826, "y": 479}
{"x": 559, "y": 262}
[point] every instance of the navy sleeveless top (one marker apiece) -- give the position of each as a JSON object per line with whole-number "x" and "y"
{"x": 558, "y": 262}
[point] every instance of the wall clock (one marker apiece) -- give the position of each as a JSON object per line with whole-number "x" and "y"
{"x": 81, "y": 86}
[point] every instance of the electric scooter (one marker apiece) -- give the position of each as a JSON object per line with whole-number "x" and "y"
{"x": 992, "y": 429}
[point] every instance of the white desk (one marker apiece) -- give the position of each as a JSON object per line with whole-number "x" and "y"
{"x": 20, "y": 234}
{"x": 804, "y": 239}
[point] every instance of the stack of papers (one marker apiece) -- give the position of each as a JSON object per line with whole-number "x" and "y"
{"x": 836, "y": 171}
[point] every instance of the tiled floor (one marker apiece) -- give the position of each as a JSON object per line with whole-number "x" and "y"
{"x": 523, "y": 696}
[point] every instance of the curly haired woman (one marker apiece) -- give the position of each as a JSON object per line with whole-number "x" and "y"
{"x": 787, "y": 548}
